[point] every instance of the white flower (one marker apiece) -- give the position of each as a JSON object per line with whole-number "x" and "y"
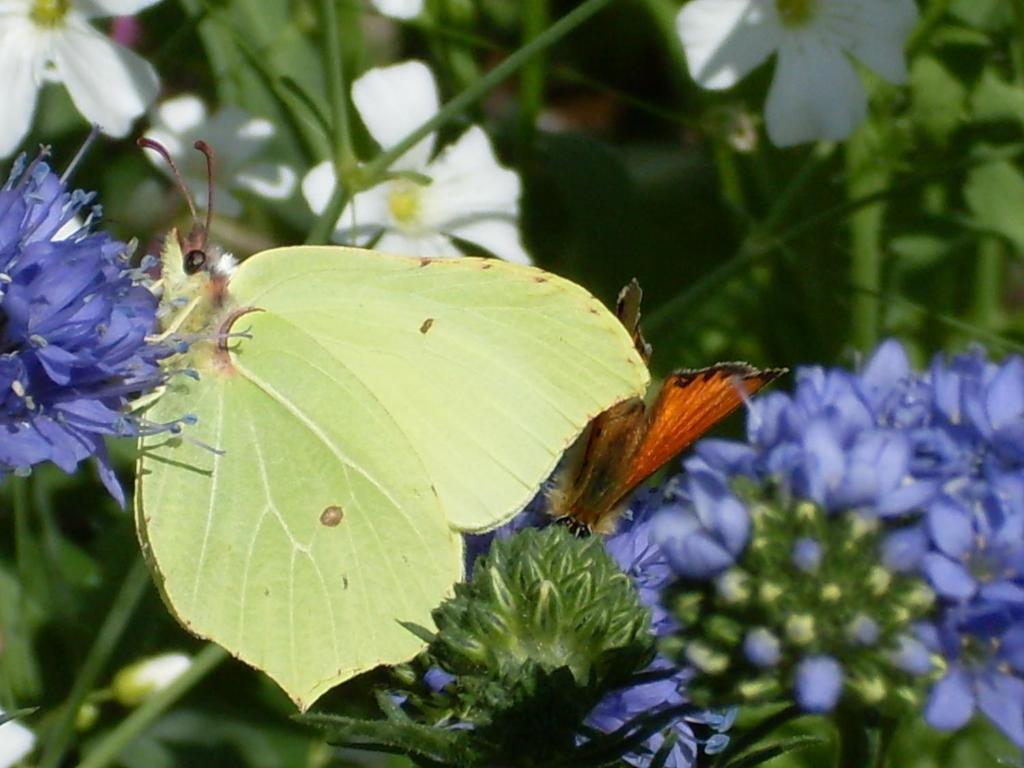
{"x": 54, "y": 40}
{"x": 468, "y": 196}
{"x": 399, "y": 9}
{"x": 236, "y": 138}
{"x": 815, "y": 93}
{"x": 137, "y": 682}
{"x": 16, "y": 742}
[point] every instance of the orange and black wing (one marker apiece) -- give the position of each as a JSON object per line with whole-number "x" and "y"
{"x": 689, "y": 404}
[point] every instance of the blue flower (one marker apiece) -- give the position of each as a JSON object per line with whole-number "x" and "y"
{"x": 703, "y": 532}
{"x": 934, "y": 462}
{"x": 984, "y": 654}
{"x": 636, "y": 553}
{"x": 74, "y": 322}
{"x": 819, "y": 682}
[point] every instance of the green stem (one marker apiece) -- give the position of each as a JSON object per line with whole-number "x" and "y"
{"x": 865, "y": 176}
{"x": 531, "y": 82}
{"x": 343, "y": 154}
{"x": 886, "y": 735}
{"x": 376, "y": 168}
{"x": 125, "y": 602}
{"x": 988, "y": 282}
{"x": 110, "y": 746}
{"x": 934, "y": 12}
{"x": 24, "y": 546}
{"x": 663, "y": 14}
{"x": 854, "y": 743}
{"x": 729, "y": 180}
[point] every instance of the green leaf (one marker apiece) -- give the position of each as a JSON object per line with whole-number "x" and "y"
{"x": 995, "y": 99}
{"x": 377, "y": 403}
{"x": 982, "y": 14}
{"x": 762, "y": 755}
{"x": 995, "y": 196}
{"x": 937, "y": 99}
{"x": 423, "y": 741}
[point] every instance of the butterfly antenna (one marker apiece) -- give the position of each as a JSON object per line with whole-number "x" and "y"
{"x": 160, "y": 149}
{"x": 207, "y": 151}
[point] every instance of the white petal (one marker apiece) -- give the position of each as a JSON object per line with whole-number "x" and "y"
{"x": 815, "y": 93}
{"x": 876, "y": 34}
{"x": 394, "y": 101}
{"x": 726, "y": 39}
{"x": 16, "y": 7}
{"x": 318, "y": 186}
{"x": 500, "y": 238}
{"x": 400, "y": 9}
{"x": 432, "y": 245}
{"x": 180, "y": 114}
{"x": 236, "y": 135}
{"x": 101, "y": 8}
{"x": 109, "y": 84}
{"x": 16, "y": 742}
{"x": 468, "y": 184}
{"x": 19, "y": 84}
{"x": 363, "y": 217}
{"x": 274, "y": 182}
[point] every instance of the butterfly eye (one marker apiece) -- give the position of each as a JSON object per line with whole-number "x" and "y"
{"x": 195, "y": 260}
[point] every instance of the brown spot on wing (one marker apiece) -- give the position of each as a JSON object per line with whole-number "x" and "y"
{"x": 332, "y": 516}
{"x": 427, "y": 324}
{"x": 689, "y": 404}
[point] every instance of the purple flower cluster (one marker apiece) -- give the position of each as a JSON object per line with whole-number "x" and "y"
{"x": 74, "y": 322}
{"x": 935, "y": 461}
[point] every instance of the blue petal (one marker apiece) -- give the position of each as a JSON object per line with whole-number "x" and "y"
{"x": 762, "y": 648}
{"x": 1013, "y": 647}
{"x": 948, "y": 578}
{"x": 887, "y": 367}
{"x": 437, "y": 679}
{"x": 950, "y": 527}
{"x": 825, "y": 461}
{"x": 904, "y": 549}
{"x": 1004, "y": 401}
{"x": 912, "y": 656}
{"x": 951, "y": 702}
{"x": 700, "y": 557}
{"x": 733, "y": 524}
{"x": 1001, "y": 698}
{"x": 819, "y": 682}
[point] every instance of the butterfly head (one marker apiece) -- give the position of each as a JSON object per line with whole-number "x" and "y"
{"x": 194, "y": 273}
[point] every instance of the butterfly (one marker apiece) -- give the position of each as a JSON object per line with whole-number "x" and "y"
{"x": 629, "y": 442}
{"x": 368, "y": 409}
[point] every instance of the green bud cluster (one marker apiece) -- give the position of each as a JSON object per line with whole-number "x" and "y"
{"x": 545, "y": 628}
{"x": 542, "y": 606}
{"x": 842, "y": 603}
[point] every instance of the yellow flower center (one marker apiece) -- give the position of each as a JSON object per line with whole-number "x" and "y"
{"x": 49, "y": 13}
{"x": 796, "y": 13}
{"x": 404, "y": 202}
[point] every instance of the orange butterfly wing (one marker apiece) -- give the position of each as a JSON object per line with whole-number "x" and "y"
{"x": 689, "y": 404}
